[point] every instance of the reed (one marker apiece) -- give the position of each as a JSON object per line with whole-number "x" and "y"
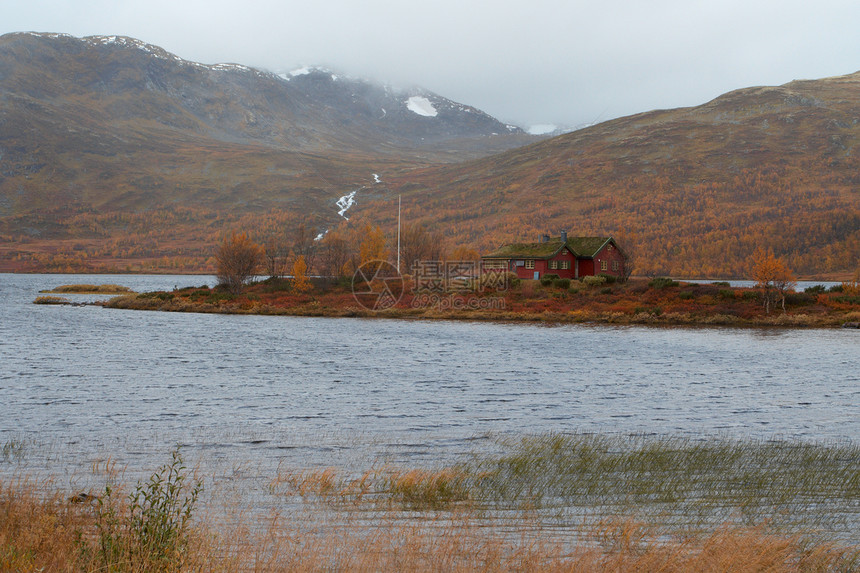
{"x": 13, "y": 449}
{"x": 691, "y": 483}
{"x": 44, "y": 533}
{"x": 421, "y": 489}
{"x": 551, "y": 502}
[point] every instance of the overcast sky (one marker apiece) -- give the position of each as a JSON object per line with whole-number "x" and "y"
{"x": 527, "y": 62}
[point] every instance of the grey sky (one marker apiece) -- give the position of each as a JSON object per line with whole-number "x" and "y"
{"x": 526, "y": 62}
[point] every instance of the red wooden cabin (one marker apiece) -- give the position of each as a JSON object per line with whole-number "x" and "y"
{"x": 567, "y": 257}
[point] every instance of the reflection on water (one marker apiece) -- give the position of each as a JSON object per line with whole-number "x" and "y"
{"x": 82, "y": 383}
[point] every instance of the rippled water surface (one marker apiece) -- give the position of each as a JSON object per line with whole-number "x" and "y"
{"x": 86, "y": 382}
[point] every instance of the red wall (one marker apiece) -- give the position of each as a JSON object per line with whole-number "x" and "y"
{"x": 542, "y": 267}
{"x": 608, "y": 254}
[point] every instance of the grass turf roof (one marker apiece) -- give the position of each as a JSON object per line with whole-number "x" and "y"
{"x": 580, "y": 246}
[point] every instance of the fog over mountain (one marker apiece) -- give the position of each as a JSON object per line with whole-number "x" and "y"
{"x": 543, "y": 62}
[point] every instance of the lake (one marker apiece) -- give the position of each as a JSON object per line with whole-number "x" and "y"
{"x": 81, "y": 384}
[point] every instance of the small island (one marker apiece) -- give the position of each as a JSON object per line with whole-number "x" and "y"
{"x": 561, "y": 280}
{"x": 657, "y": 301}
{"x": 90, "y": 289}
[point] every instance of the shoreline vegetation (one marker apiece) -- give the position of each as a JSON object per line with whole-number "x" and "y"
{"x": 656, "y": 301}
{"x": 90, "y": 289}
{"x": 549, "y": 502}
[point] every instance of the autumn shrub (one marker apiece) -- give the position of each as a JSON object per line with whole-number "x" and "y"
{"x": 300, "y": 281}
{"x": 686, "y": 295}
{"x": 156, "y": 295}
{"x": 199, "y": 293}
{"x": 726, "y": 293}
{"x": 497, "y": 281}
{"x": 721, "y": 283}
{"x": 606, "y": 290}
{"x": 218, "y": 295}
{"x": 561, "y": 283}
{"x": 275, "y": 284}
{"x": 815, "y": 289}
{"x": 593, "y": 281}
{"x": 851, "y": 287}
{"x": 237, "y": 260}
{"x": 662, "y": 282}
{"x": 151, "y": 531}
{"x": 547, "y": 279}
{"x": 51, "y": 300}
{"x": 609, "y": 279}
{"x": 799, "y": 298}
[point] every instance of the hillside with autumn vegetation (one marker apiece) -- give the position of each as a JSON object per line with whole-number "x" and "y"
{"x": 691, "y": 192}
{"x": 118, "y": 156}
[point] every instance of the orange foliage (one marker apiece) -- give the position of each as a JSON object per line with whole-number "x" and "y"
{"x": 301, "y": 282}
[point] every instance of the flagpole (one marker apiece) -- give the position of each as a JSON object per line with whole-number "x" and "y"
{"x": 398, "y": 233}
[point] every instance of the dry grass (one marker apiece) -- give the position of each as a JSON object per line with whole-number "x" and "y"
{"x": 51, "y": 300}
{"x": 547, "y": 503}
{"x": 91, "y": 289}
{"x": 39, "y": 533}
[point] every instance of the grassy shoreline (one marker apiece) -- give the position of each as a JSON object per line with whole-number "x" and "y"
{"x": 637, "y": 302}
{"x": 552, "y": 502}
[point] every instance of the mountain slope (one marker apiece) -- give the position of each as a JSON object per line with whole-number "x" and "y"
{"x": 693, "y": 191}
{"x": 112, "y": 123}
{"x": 113, "y": 150}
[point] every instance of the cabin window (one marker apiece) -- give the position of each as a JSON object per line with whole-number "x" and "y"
{"x": 530, "y": 264}
{"x": 614, "y": 265}
{"x": 553, "y": 265}
{"x": 603, "y": 265}
{"x": 565, "y": 265}
{"x": 497, "y": 264}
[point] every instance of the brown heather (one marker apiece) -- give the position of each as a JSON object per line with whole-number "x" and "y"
{"x": 633, "y": 302}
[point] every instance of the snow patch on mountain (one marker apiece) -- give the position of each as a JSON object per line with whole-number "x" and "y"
{"x": 306, "y": 71}
{"x": 421, "y": 106}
